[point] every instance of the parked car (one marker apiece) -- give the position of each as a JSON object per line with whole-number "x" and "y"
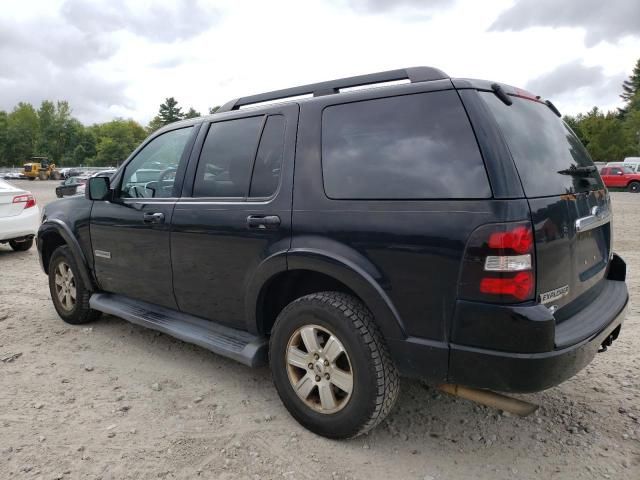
{"x": 104, "y": 173}
{"x": 360, "y": 264}
{"x": 632, "y": 164}
{"x": 19, "y": 217}
{"x": 12, "y": 176}
{"x": 69, "y": 186}
{"x": 621, "y": 177}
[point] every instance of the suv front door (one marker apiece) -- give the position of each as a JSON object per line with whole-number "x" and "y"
{"x": 130, "y": 233}
{"x": 235, "y": 210}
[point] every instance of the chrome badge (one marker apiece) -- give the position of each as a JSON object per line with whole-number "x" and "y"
{"x": 552, "y": 295}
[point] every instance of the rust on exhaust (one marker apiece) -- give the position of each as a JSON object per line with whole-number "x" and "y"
{"x": 490, "y": 399}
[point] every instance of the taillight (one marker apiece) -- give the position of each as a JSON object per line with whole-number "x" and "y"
{"x": 27, "y": 199}
{"x": 498, "y": 264}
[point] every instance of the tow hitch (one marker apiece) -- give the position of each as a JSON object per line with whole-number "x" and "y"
{"x": 609, "y": 340}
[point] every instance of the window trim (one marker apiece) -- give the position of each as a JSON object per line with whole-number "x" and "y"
{"x": 403, "y": 199}
{"x": 246, "y": 199}
{"x": 118, "y": 177}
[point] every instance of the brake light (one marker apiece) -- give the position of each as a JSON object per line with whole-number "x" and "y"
{"x": 498, "y": 265}
{"x": 520, "y": 239}
{"x": 520, "y": 286}
{"x": 28, "y": 200}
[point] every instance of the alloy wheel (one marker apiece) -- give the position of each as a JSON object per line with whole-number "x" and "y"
{"x": 319, "y": 369}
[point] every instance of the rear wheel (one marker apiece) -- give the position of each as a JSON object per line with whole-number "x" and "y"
{"x": 634, "y": 187}
{"x": 331, "y": 366}
{"x": 21, "y": 245}
{"x": 69, "y": 293}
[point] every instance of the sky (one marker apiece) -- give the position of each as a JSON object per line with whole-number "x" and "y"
{"x": 119, "y": 58}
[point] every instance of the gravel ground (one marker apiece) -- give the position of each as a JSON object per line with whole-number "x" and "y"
{"x": 112, "y": 400}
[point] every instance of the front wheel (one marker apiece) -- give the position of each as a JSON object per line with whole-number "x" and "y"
{"x": 634, "y": 187}
{"x": 331, "y": 366}
{"x": 69, "y": 293}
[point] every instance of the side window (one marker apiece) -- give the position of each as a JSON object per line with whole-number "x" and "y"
{"x": 408, "y": 147}
{"x": 153, "y": 170}
{"x": 615, "y": 171}
{"x": 224, "y": 168}
{"x": 266, "y": 171}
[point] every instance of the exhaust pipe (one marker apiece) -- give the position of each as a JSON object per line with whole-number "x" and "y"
{"x": 490, "y": 399}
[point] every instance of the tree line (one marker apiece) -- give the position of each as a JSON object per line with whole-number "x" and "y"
{"x": 52, "y": 131}
{"x": 612, "y": 136}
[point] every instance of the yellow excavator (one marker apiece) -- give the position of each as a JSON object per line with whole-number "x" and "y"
{"x": 40, "y": 167}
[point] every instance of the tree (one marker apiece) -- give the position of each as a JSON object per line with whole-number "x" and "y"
{"x": 23, "y": 129}
{"x": 170, "y": 112}
{"x": 116, "y": 140}
{"x": 192, "y": 113}
{"x": 632, "y": 86}
{"x": 3, "y": 138}
{"x": 213, "y": 110}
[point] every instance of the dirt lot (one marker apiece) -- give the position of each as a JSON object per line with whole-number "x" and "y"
{"x": 112, "y": 400}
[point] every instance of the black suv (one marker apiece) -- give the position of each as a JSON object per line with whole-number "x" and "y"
{"x": 448, "y": 229}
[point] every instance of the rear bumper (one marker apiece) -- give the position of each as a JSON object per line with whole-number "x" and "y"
{"x": 575, "y": 343}
{"x": 531, "y": 372}
{"x": 25, "y": 224}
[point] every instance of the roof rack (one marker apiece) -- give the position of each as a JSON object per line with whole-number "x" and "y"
{"x": 413, "y": 74}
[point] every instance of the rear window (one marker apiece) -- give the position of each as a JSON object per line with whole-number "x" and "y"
{"x": 542, "y": 147}
{"x": 409, "y": 147}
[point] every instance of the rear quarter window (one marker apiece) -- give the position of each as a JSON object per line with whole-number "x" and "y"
{"x": 542, "y": 147}
{"x": 417, "y": 146}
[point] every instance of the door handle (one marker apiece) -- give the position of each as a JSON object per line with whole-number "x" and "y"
{"x": 153, "y": 217}
{"x": 263, "y": 221}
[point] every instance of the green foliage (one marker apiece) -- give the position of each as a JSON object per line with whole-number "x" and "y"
{"x": 192, "y": 113}
{"x": 53, "y": 132}
{"x": 116, "y": 140}
{"x": 170, "y": 112}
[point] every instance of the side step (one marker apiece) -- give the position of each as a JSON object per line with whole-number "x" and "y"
{"x": 238, "y": 345}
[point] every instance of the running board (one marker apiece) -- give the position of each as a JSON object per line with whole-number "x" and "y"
{"x": 238, "y": 345}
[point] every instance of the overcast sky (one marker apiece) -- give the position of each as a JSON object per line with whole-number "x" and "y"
{"x": 120, "y": 58}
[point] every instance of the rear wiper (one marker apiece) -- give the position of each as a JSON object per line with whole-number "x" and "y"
{"x": 578, "y": 171}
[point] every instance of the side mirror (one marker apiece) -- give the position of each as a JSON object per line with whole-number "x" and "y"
{"x": 97, "y": 188}
{"x": 620, "y": 173}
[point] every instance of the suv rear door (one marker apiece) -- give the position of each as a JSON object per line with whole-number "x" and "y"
{"x": 570, "y": 206}
{"x": 235, "y": 210}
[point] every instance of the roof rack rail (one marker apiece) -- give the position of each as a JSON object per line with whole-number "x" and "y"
{"x": 413, "y": 74}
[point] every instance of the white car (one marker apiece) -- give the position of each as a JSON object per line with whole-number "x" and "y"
{"x": 19, "y": 217}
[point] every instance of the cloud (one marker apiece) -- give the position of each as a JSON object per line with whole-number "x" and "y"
{"x": 603, "y": 20}
{"x": 574, "y": 82}
{"x": 382, "y": 6}
{"x": 158, "y": 22}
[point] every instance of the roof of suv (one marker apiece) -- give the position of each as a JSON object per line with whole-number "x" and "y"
{"x": 384, "y": 79}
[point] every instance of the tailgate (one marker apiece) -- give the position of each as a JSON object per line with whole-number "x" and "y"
{"x": 570, "y": 207}
{"x": 573, "y": 246}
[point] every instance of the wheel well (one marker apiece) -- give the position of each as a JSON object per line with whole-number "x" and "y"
{"x": 50, "y": 241}
{"x": 288, "y": 286}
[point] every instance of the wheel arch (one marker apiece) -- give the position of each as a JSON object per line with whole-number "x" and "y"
{"x": 54, "y": 233}
{"x": 283, "y": 278}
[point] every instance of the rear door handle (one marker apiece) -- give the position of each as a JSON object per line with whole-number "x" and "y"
{"x": 260, "y": 221}
{"x": 153, "y": 217}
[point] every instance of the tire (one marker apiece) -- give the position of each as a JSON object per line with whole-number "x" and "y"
{"x": 55, "y": 175}
{"x": 374, "y": 379}
{"x": 74, "y": 311}
{"x": 31, "y": 178}
{"x": 59, "y": 195}
{"x": 633, "y": 187}
{"x": 43, "y": 176}
{"x": 21, "y": 245}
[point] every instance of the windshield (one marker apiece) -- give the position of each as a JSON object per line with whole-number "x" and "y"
{"x": 549, "y": 157}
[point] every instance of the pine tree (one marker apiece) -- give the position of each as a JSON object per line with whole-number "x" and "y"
{"x": 169, "y": 111}
{"x": 632, "y": 86}
{"x": 192, "y": 113}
